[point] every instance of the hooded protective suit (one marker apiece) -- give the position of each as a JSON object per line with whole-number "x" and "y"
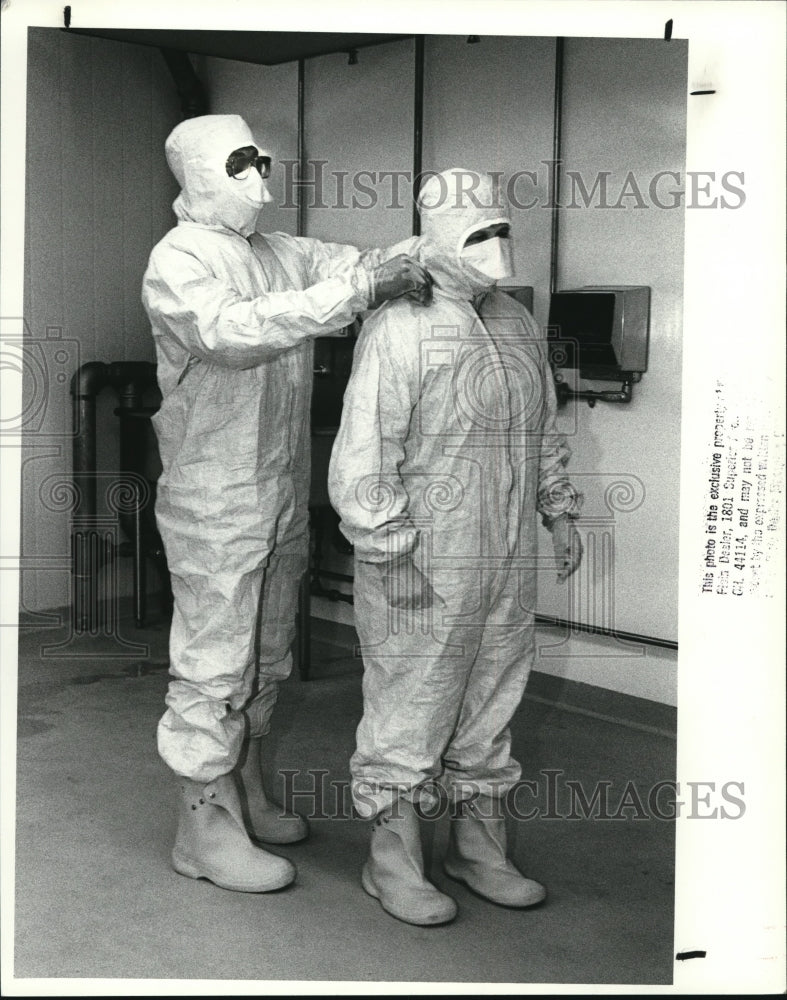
{"x": 233, "y": 315}
{"x": 446, "y": 451}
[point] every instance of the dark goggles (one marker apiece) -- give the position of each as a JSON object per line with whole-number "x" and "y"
{"x": 240, "y": 161}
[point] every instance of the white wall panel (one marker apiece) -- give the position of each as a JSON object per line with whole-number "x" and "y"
{"x": 360, "y": 118}
{"x": 489, "y": 106}
{"x": 98, "y": 197}
{"x": 625, "y": 110}
{"x": 267, "y": 97}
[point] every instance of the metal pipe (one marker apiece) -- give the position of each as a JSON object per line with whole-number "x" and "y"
{"x": 554, "y": 180}
{"x": 330, "y": 575}
{"x": 139, "y": 575}
{"x": 131, "y": 379}
{"x": 89, "y": 380}
{"x": 301, "y": 222}
{"x": 418, "y": 129}
{"x": 611, "y": 633}
{"x": 91, "y": 548}
{"x": 622, "y": 395}
{"x": 86, "y": 383}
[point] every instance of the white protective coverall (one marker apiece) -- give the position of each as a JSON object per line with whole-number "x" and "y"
{"x": 447, "y": 449}
{"x": 233, "y": 315}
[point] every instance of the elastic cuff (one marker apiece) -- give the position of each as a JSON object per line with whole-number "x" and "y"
{"x": 549, "y": 520}
{"x": 393, "y": 556}
{"x": 561, "y": 499}
{"x": 370, "y": 798}
{"x": 362, "y": 282}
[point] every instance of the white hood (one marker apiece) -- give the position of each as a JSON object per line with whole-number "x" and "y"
{"x": 453, "y": 205}
{"x": 197, "y": 152}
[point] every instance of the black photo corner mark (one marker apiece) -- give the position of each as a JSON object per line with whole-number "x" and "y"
{"x": 67, "y": 17}
{"x": 683, "y": 955}
{"x": 668, "y": 30}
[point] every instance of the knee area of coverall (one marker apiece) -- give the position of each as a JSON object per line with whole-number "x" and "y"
{"x": 276, "y": 627}
{"x": 207, "y": 545}
{"x": 283, "y": 572}
{"x": 391, "y": 637}
{"x": 293, "y": 540}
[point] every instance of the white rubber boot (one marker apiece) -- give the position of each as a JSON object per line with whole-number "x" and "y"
{"x": 266, "y": 821}
{"x": 212, "y": 842}
{"x": 477, "y": 856}
{"x": 394, "y": 873}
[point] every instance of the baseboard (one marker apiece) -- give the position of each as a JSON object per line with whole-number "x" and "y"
{"x": 601, "y": 703}
{"x": 123, "y": 611}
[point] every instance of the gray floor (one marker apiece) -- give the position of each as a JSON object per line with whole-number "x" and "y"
{"x": 95, "y": 820}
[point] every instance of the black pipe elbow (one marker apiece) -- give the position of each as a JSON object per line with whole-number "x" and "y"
{"x": 88, "y": 380}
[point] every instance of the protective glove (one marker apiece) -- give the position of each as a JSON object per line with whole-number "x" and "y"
{"x": 401, "y": 275}
{"x": 567, "y": 544}
{"x": 406, "y": 587}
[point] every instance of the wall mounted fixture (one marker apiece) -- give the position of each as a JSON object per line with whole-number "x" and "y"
{"x": 601, "y": 333}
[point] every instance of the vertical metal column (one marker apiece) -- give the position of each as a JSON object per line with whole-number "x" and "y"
{"x": 418, "y": 129}
{"x": 301, "y": 223}
{"x": 89, "y": 552}
{"x": 554, "y": 180}
{"x": 131, "y": 379}
{"x": 303, "y": 635}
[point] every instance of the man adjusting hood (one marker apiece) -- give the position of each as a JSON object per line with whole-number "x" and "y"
{"x": 233, "y": 315}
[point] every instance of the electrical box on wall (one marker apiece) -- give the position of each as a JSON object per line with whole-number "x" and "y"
{"x": 601, "y": 332}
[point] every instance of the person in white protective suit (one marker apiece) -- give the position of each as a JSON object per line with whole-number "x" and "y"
{"x": 233, "y": 315}
{"x": 446, "y": 452}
